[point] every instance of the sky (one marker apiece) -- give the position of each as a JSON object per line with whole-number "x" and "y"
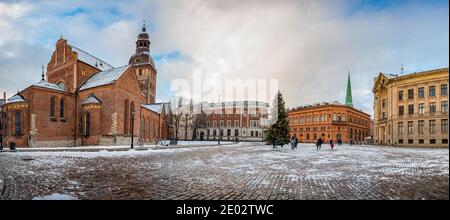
{"x": 308, "y": 46}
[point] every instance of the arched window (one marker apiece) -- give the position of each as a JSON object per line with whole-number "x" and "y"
{"x": 132, "y": 114}
{"x": 307, "y": 136}
{"x": 61, "y": 108}
{"x": 334, "y": 117}
{"x": 52, "y": 107}
{"x": 87, "y": 124}
{"x": 18, "y": 122}
{"x": 125, "y": 117}
{"x": 61, "y": 85}
{"x": 315, "y": 136}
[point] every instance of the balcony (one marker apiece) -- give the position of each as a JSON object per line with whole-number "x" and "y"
{"x": 383, "y": 120}
{"x": 339, "y": 122}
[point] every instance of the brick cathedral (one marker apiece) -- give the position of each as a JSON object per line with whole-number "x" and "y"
{"x": 82, "y": 100}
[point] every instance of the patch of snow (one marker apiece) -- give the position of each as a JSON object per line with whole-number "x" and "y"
{"x": 55, "y": 196}
{"x": 104, "y": 78}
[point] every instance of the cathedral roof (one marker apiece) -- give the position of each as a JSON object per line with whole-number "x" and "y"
{"x": 47, "y": 85}
{"x": 16, "y": 98}
{"x": 104, "y": 78}
{"x": 91, "y": 60}
{"x": 156, "y": 107}
{"x": 91, "y": 99}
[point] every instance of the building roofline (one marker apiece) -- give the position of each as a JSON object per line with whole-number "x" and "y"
{"x": 327, "y": 105}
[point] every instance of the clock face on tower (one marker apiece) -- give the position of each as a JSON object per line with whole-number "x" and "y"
{"x": 138, "y": 59}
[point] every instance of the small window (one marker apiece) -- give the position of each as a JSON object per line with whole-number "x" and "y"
{"x": 432, "y": 141}
{"x": 52, "y": 107}
{"x": 400, "y": 141}
{"x": 87, "y": 124}
{"x": 432, "y": 91}
{"x": 18, "y": 123}
{"x": 61, "y": 109}
{"x": 410, "y": 141}
{"x": 444, "y": 141}
{"x": 421, "y": 141}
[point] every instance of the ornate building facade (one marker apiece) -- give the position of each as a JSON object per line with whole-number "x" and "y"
{"x": 227, "y": 121}
{"x": 411, "y": 110}
{"x": 330, "y": 121}
{"x": 83, "y": 100}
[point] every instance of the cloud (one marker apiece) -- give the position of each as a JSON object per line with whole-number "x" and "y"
{"x": 307, "y": 45}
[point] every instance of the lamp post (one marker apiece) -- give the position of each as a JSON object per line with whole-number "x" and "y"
{"x": 132, "y": 128}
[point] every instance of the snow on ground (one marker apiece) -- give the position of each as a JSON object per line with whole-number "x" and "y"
{"x": 55, "y": 196}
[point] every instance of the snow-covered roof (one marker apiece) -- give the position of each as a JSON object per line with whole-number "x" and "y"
{"x": 238, "y": 103}
{"x": 16, "y": 98}
{"x": 156, "y": 107}
{"x": 104, "y": 78}
{"x": 91, "y": 60}
{"x": 47, "y": 85}
{"x": 91, "y": 99}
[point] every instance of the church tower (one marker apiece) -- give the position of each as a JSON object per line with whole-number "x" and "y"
{"x": 144, "y": 66}
{"x": 348, "y": 97}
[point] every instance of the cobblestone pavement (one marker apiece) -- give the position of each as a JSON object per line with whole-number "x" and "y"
{"x": 242, "y": 171}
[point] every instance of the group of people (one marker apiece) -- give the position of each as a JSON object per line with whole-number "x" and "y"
{"x": 294, "y": 143}
{"x": 320, "y": 142}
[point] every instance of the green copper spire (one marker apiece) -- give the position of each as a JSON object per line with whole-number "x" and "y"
{"x": 348, "y": 97}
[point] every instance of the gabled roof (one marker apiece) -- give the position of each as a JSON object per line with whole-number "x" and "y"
{"x": 91, "y": 60}
{"x": 16, "y": 98}
{"x": 91, "y": 99}
{"x": 156, "y": 107}
{"x": 47, "y": 85}
{"x": 104, "y": 78}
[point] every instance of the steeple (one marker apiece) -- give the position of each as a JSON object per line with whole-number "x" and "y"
{"x": 348, "y": 96}
{"x": 142, "y": 54}
{"x": 43, "y": 74}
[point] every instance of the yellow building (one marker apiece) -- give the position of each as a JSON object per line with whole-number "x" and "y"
{"x": 412, "y": 110}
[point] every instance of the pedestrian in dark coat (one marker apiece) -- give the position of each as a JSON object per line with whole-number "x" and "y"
{"x": 319, "y": 143}
{"x": 331, "y": 144}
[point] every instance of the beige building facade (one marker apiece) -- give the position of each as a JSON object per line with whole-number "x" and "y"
{"x": 412, "y": 110}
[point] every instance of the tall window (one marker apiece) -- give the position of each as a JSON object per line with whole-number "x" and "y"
{"x": 432, "y": 107}
{"x": 384, "y": 103}
{"x": 410, "y": 109}
{"x": 410, "y": 127}
{"x": 410, "y": 93}
{"x": 52, "y": 107}
{"x": 401, "y": 110}
{"x": 229, "y": 123}
{"x": 87, "y": 124}
{"x": 432, "y": 126}
{"x": 236, "y": 123}
{"x": 400, "y": 128}
{"x": 61, "y": 108}
{"x": 444, "y": 125}
{"x": 400, "y": 95}
{"x": 444, "y": 106}
{"x": 131, "y": 117}
{"x": 421, "y": 108}
{"x": 432, "y": 91}
{"x": 421, "y": 92}
{"x": 421, "y": 125}
{"x": 125, "y": 116}
{"x": 444, "y": 90}
{"x": 18, "y": 122}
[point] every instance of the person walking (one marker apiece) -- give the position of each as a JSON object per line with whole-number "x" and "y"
{"x": 296, "y": 140}
{"x": 331, "y": 144}
{"x": 319, "y": 144}
{"x": 292, "y": 143}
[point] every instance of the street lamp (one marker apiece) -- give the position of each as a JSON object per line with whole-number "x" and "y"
{"x": 132, "y": 128}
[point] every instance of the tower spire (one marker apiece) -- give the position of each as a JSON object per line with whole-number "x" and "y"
{"x": 348, "y": 96}
{"x": 143, "y": 26}
{"x": 43, "y": 74}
